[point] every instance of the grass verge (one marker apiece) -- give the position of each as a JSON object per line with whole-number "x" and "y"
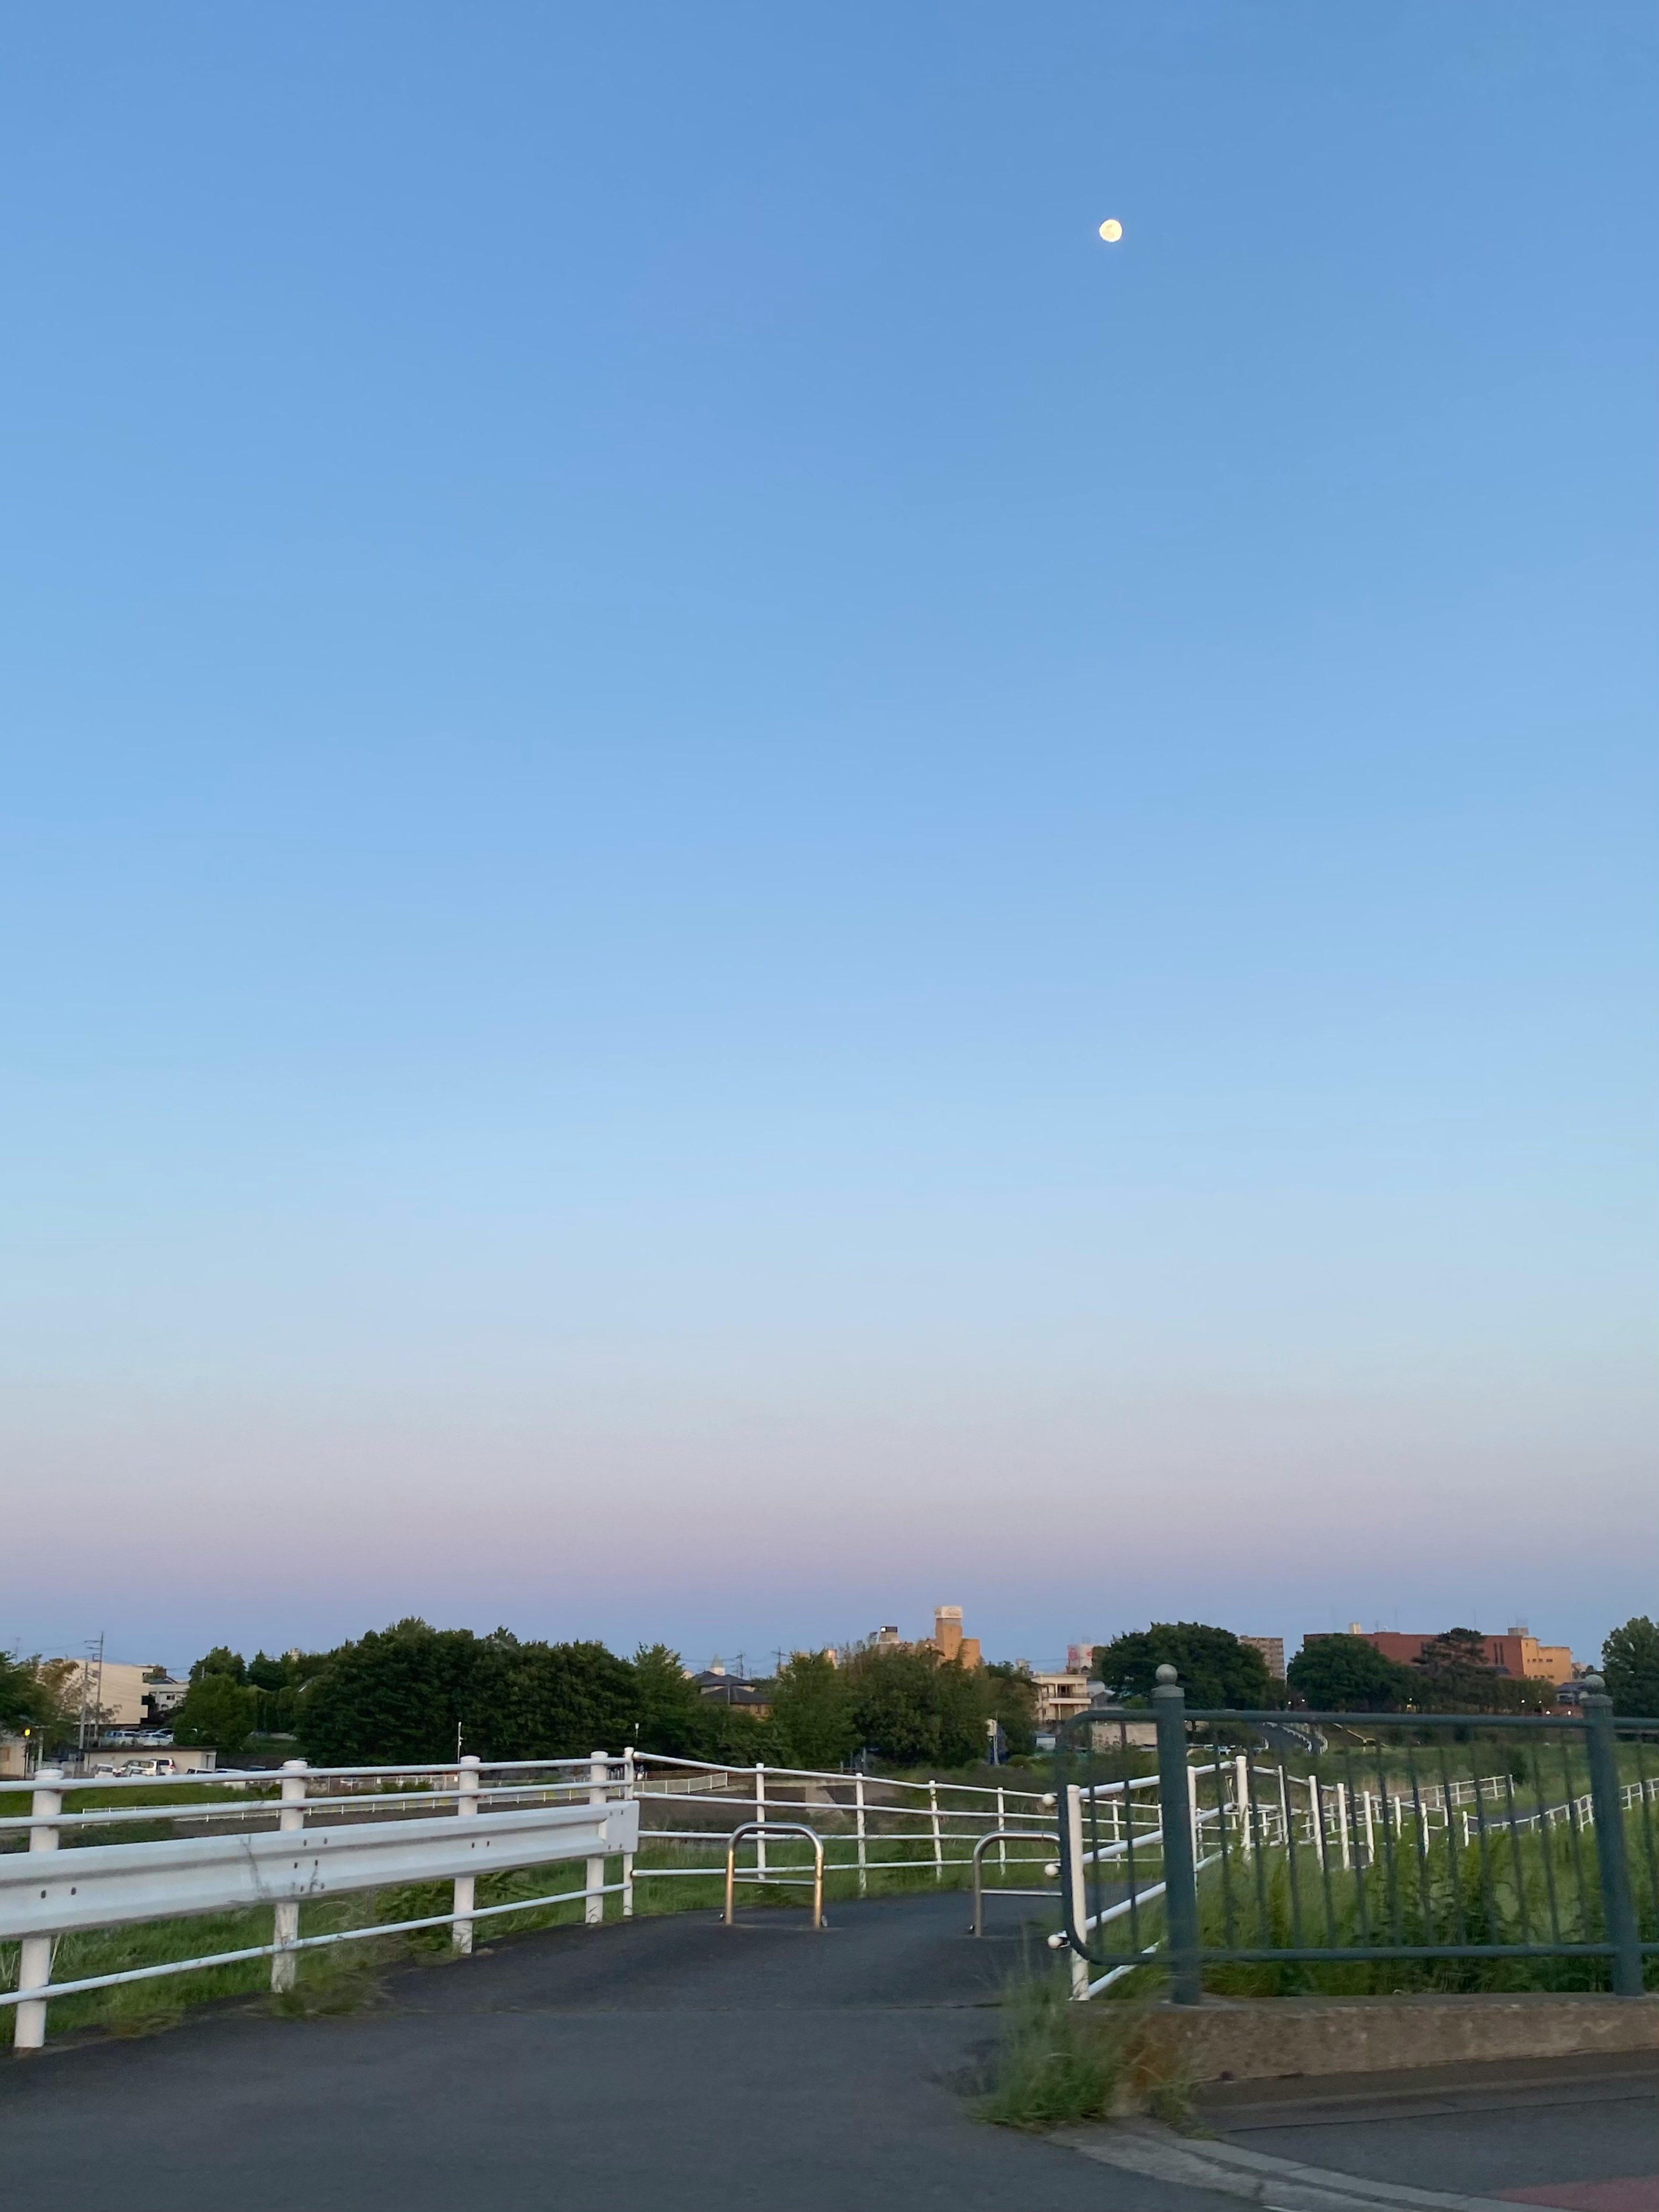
{"x": 1058, "y": 2065}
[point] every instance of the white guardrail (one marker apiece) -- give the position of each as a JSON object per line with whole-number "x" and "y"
{"x": 309, "y": 1835}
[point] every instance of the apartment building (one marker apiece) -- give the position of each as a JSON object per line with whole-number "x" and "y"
{"x": 123, "y": 1694}
{"x": 1061, "y": 1697}
{"x": 1271, "y": 1649}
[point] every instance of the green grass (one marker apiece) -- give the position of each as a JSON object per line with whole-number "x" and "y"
{"x": 1058, "y": 2065}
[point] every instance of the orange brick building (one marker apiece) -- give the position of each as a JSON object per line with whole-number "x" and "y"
{"x": 1516, "y": 1653}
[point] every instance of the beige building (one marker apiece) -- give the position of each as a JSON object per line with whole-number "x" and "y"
{"x": 1061, "y": 1697}
{"x": 948, "y": 1640}
{"x": 1271, "y": 1649}
{"x": 127, "y": 1695}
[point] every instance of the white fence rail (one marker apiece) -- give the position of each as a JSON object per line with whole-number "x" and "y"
{"x": 317, "y": 1835}
{"x": 545, "y": 1812}
{"x": 113, "y": 1885}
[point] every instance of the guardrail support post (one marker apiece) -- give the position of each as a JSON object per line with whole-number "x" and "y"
{"x": 599, "y": 1775}
{"x": 1617, "y": 1905}
{"x": 1174, "y": 1819}
{"x": 286, "y": 1931}
{"x": 760, "y": 1816}
{"x": 938, "y": 1846}
{"x": 629, "y": 1785}
{"x": 34, "y": 1961}
{"x": 466, "y": 1884}
{"x": 858, "y": 1800}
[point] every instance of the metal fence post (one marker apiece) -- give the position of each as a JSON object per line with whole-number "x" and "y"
{"x": 599, "y": 1777}
{"x": 760, "y": 1814}
{"x": 466, "y": 1884}
{"x": 630, "y": 1783}
{"x": 939, "y": 1847}
{"x": 1072, "y": 1812}
{"x": 1175, "y": 1819}
{"x": 1617, "y": 1905}
{"x": 34, "y": 1960}
{"x": 858, "y": 1799}
{"x": 286, "y": 1931}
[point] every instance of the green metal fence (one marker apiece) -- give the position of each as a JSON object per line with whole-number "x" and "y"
{"x": 1319, "y": 1840}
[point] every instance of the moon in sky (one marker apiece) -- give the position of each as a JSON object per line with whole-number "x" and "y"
{"x": 1111, "y": 230}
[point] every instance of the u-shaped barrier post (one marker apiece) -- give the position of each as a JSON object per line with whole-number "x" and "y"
{"x": 758, "y": 1829}
{"x": 983, "y": 1844}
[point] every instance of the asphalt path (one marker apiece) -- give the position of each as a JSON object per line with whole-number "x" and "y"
{"x": 668, "y": 2063}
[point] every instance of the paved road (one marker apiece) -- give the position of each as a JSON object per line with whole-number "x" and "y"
{"x": 1580, "y": 2133}
{"x": 671, "y": 2064}
{"x": 679, "y": 2066}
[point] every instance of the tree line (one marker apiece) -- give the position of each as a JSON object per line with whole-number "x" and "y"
{"x": 1348, "y": 1673}
{"x": 415, "y": 1694}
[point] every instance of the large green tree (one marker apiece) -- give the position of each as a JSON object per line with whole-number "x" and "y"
{"x": 410, "y": 1690}
{"x": 1629, "y": 1666}
{"x": 1453, "y": 1674}
{"x": 397, "y": 1693}
{"x": 1349, "y": 1674}
{"x": 1010, "y": 1697}
{"x": 1215, "y": 1669}
{"x": 217, "y": 1711}
{"x": 813, "y": 1722}
{"x": 547, "y": 1700}
{"x": 671, "y": 1715}
{"x": 280, "y": 1686}
{"x": 913, "y": 1709}
{"x": 32, "y": 1698}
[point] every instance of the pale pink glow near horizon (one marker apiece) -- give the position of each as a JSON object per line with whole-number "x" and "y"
{"x": 717, "y": 1525}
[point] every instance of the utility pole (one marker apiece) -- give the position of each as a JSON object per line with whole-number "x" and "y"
{"x": 92, "y": 1691}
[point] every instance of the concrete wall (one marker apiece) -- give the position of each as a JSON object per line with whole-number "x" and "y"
{"x": 1270, "y": 2037}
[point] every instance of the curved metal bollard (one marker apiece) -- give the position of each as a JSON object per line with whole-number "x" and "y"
{"x": 759, "y": 1828}
{"x": 1005, "y": 1836}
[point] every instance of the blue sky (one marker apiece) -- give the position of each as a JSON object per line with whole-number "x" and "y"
{"x": 741, "y": 888}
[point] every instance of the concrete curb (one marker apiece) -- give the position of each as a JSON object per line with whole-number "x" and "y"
{"x": 1257, "y": 2038}
{"x": 1279, "y": 2184}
